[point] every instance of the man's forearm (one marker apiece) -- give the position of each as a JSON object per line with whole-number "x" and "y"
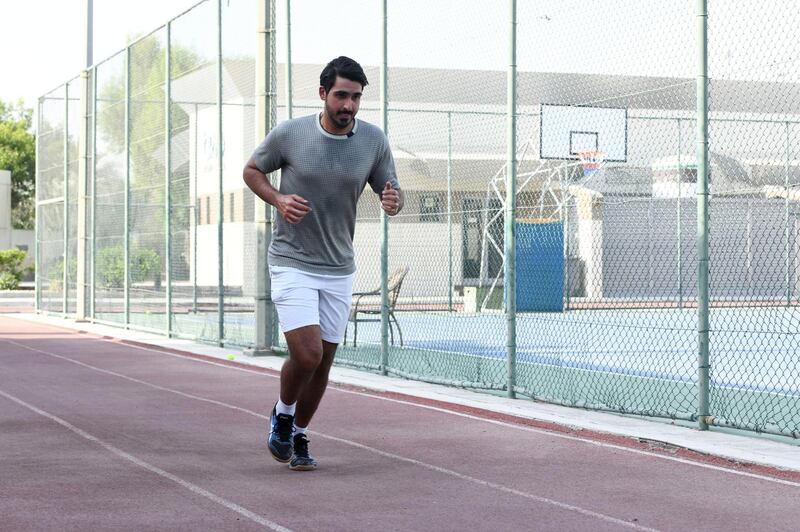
{"x": 260, "y": 185}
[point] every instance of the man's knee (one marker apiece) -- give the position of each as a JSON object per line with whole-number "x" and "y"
{"x": 305, "y": 348}
{"x": 308, "y": 358}
{"x": 328, "y": 353}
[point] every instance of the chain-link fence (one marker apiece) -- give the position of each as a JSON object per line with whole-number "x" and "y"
{"x": 608, "y": 298}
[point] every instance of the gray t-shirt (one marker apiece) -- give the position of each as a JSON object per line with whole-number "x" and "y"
{"x": 330, "y": 171}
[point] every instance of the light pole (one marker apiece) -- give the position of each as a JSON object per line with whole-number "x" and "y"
{"x": 89, "y": 33}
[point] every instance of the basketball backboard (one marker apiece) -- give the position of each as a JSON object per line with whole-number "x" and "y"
{"x": 567, "y": 130}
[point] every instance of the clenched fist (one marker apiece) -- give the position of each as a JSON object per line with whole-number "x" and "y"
{"x": 292, "y": 207}
{"x": 390, "y": 200}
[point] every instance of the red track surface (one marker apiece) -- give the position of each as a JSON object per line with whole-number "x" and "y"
{"x": 102, "y": 435}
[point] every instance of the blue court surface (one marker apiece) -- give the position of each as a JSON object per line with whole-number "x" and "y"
{"x": 638, "y": 361}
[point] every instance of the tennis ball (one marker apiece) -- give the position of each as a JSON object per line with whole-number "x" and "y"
{"x": 231, "y": 357}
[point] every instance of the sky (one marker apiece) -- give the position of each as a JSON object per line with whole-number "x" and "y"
{"x": 42, "y": 41}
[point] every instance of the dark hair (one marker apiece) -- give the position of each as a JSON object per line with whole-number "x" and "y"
{"x": 344, "y": 67}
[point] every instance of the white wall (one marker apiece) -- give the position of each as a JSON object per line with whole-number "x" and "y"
{"x": 423, "y": 247}
{"x": 207, "y": 149}
{"x": 5, "y": 209}
{"x": 420, "y": 246}
{"x": 234, "y": 262}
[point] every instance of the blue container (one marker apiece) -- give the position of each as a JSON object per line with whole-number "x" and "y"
{"x": 540, "y": 266}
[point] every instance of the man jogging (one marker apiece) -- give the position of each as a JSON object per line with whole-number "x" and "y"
{"x": 326, "y": 161}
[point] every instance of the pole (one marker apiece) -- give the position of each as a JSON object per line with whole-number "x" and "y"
{"x": 450, "y": 211}
{"x": 265, "y": 333}
{"x": 93, "y": 236}
{"x": 167, "y": 175}
{"x": 787, "y": 234}
{"x": 384, "y": 217}
{"x": 288, "y": 76}
{"x": 82, "y": 186}
{"x": 80, "y": 309}
{"x": 38, "y": 211}
{"x": 703, "y": 359}
{"x": 565, "y": 199}
{"x": 126, "y": 212}
{"x": 510, "y": 274}
{"x": 89, "y": 32}
{"x": 220, "y": 190}
{"x": 65, "y": 260}
{"x": 195, "y": 218}
{"x": 680, "y": 221}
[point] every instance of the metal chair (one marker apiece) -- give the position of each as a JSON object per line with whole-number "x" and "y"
{"x": 361, "y": 312}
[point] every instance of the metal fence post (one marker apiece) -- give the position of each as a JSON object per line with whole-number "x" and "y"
{"x": 65, "y": 260}
{"x": 126, "y": 212}
{"x": 265, "y": 337}
{"x": 703, "y": 359}
{"x": 565, "y": 211}
{"x": 680, "y": 221}
{"x": 787, "y": 235}
{"x": 289, "y": 59}
{"x": 92, "y": 237}
{"x": 83, "y": 153}
{"x": 167, "y": 175}
{"x": 37, "y": 259}
{"x": 450, "y": 211}
{"x": 510, "y": 278}
{"x": 220, "y": 189}
{"x": 195, "y": 220}
{"x": 384, "y": 217}
{"x": 83, "y": 167}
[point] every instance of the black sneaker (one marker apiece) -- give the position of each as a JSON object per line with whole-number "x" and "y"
{"x": 302, "y": 459}
{"x": 280, "y": 436}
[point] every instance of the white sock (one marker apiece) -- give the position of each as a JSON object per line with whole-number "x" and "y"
{"x": 282, "y": 408}
{"x": 300, "y": 430}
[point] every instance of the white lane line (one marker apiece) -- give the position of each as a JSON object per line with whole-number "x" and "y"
{"x": 584, "y": 440}
{"x": 431, "y": 467}
{"x": 486, "y": 483}
{"x": 523, "y": 428}
{"x": 149, "y": 467}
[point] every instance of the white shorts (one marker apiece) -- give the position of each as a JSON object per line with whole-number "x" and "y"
{"x": 303, "y": 299}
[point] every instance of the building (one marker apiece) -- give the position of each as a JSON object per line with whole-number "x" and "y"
{"x": 448, "y": 135}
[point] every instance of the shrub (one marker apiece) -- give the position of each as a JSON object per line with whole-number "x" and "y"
{"x": 11, "y": 270}
{"x": 111, "y": 267}
{"x": 8, "y": 281}
{"x": 56, "y": 273}
{"x": 145, "y": 266}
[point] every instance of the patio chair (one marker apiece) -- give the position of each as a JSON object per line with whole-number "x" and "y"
{"x": 362, "y": 312}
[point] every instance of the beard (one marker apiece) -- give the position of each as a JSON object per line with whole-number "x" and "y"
{"x": 342, "y": 119}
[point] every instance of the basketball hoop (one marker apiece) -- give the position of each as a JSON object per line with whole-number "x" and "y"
{"x": 592, "y": 161}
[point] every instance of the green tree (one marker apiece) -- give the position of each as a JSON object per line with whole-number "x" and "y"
{"x": 146, "y": 133}
{"x": 18, "y": 154}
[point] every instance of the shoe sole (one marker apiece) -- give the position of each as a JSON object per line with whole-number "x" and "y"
{"x": 303, "y": 467}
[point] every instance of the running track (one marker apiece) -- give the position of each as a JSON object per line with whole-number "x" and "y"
{"x": 96, "y": 434}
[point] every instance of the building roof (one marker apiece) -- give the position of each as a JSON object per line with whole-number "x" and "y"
{"x": 421, "y": 98}
{"x": 483, "y": 89}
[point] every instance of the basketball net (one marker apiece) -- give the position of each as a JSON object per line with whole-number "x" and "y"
{"x": 592, "y": 161}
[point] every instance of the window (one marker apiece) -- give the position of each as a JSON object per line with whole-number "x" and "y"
{"x": 430, "y": 208}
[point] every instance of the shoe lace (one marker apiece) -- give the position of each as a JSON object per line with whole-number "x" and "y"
{"x": 301, "y": 445}
{"x": 285, "y": 427}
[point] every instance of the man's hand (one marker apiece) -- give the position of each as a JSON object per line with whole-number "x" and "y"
{"x": 292, "y": 207}
{"x": 390, "y": 200}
